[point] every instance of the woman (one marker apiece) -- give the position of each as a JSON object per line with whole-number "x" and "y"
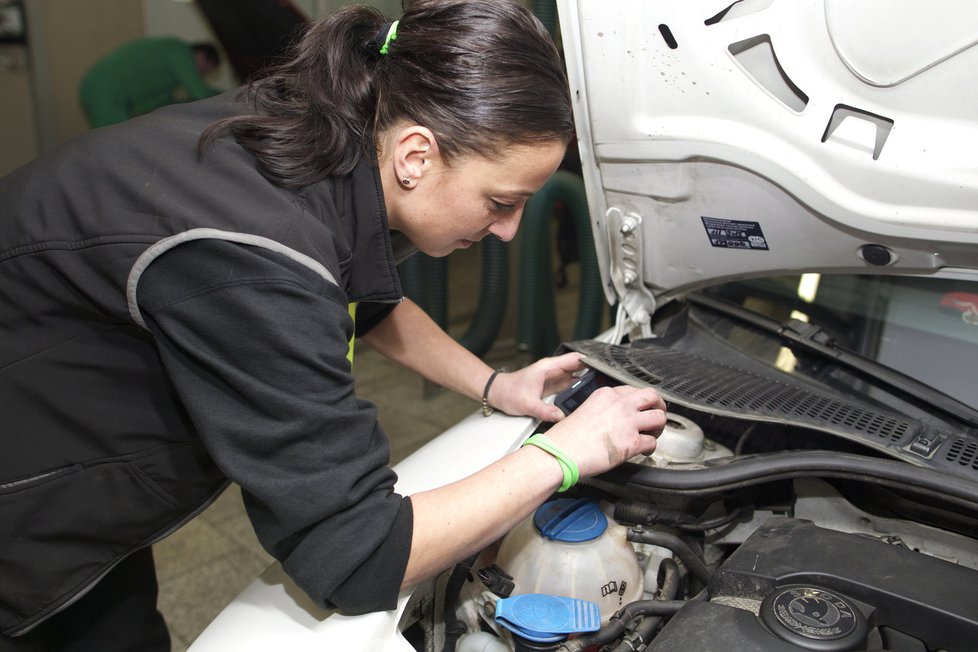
{"x": 175, "y": 314}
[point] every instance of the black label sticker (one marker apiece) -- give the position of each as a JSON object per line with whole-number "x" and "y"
{"x": 734, "y": 234}
{"x": 609, "y": 588}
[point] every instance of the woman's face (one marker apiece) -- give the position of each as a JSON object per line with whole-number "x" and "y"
{"x": 450, "y": 207}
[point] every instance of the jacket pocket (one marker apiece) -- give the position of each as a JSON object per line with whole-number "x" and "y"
{"x": 62, "y": 530}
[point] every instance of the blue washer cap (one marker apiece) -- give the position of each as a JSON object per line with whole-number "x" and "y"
{"x": 546, "y": 618}
{"x": 571, "y": 521}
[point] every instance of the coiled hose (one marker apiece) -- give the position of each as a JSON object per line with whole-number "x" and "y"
{"x": 488, "y": 318}
{"x": 546, "y": 11}
{"x": 537, "y": 329}
{"x": 425, "y": 280}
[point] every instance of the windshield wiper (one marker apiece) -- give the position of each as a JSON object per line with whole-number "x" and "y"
{"x": 813, "y": 338}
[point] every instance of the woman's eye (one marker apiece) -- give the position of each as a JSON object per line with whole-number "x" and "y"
{"x": 500, "y": 206}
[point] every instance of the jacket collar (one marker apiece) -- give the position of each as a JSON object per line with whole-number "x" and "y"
{"x": 373, "y": 274}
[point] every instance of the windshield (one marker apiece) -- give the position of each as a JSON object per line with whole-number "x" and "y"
{"x": 926, "y": 328}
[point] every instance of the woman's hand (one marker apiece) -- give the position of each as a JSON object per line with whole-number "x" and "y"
{"x": 611, "y": 426}
{"x": 454, "y": 521}
{"x": 521, "y": 392}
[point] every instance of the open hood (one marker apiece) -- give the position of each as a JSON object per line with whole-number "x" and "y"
{"x": 728, "y": 140}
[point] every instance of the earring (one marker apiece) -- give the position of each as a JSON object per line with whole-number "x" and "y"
{"x": 406, "y": 181}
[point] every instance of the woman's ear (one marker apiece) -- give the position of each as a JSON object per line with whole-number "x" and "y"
{"x": 413, "y": 154}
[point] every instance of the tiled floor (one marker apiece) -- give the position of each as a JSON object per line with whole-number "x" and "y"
{"x": 207, "y": 563}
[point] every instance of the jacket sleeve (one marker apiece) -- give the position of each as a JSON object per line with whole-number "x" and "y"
{"x": 255, "y": 344}
{"x": 371, "y": 314}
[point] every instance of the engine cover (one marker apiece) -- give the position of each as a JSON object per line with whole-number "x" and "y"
{"x": 795, "y": 586}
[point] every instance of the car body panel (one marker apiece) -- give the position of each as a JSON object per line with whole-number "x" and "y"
{"x": 273, "y": 613}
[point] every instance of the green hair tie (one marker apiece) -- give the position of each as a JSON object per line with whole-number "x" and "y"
{"x": 391, "y": 35}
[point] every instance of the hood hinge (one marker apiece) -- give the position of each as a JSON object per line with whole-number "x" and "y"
{"x": 635, "y": 302}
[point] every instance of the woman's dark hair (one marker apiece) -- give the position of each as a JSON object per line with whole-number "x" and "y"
{"x": 481, "y": 74}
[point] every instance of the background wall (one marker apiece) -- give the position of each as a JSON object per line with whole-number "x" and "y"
{"x": 39, "y": 77}
{"x": 18, "y": 137}
{"x": 184, "y": 19}
{"x": 63, "y": 39}
{"x": 67, "y": 38}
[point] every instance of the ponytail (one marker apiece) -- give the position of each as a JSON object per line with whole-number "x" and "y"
{"x": 481, "y": 74}
{"x": 312, "y": 112}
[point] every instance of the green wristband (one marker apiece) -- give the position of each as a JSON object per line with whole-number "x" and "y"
{"x": 567, "y": 465}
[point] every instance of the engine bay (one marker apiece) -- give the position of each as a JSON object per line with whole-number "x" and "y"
{"x": 816, "y": 487}
{"x": 738, "y": 533}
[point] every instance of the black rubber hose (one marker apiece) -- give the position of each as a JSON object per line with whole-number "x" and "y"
{"x": 642, "y": 513}
{"x": 616, "y": 625}
{"x": 643, "y": 632}
{"x": 718, "y": 522}
{"x": 669, "y": 581}
{"x": 453, "y": 627}
{"x": 680, "y": 548}
{"x": 723, "y": 474}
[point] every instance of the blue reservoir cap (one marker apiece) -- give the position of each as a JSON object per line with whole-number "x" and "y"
{"x": 571, "y": 521}
{"x": 546, "y": 618}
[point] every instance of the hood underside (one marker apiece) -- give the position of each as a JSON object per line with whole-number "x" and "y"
{"x": 722, "y": 141}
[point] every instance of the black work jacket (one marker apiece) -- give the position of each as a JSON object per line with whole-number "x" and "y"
{"x": 168, "y": 323}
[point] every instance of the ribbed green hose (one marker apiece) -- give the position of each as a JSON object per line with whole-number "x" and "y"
{"x": 425, "y": 280}
{"x": 411, "y": 271}
{"x": 546, "y": 11}
{"x": 537, "y": 331}
{"x": 493, "y": 296}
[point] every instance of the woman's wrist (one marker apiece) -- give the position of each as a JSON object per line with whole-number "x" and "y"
{"x": 568, "y": 466}
{"x": 545, "y": 467}
{"x": 486, "y": 406}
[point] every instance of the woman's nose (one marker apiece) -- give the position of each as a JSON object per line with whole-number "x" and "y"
{"x": 505, "y": 228}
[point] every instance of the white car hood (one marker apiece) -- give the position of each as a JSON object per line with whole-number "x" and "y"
{"x": 729, "y": 140}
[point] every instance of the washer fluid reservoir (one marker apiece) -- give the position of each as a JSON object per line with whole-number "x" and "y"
{"x": 572, "y": 548}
